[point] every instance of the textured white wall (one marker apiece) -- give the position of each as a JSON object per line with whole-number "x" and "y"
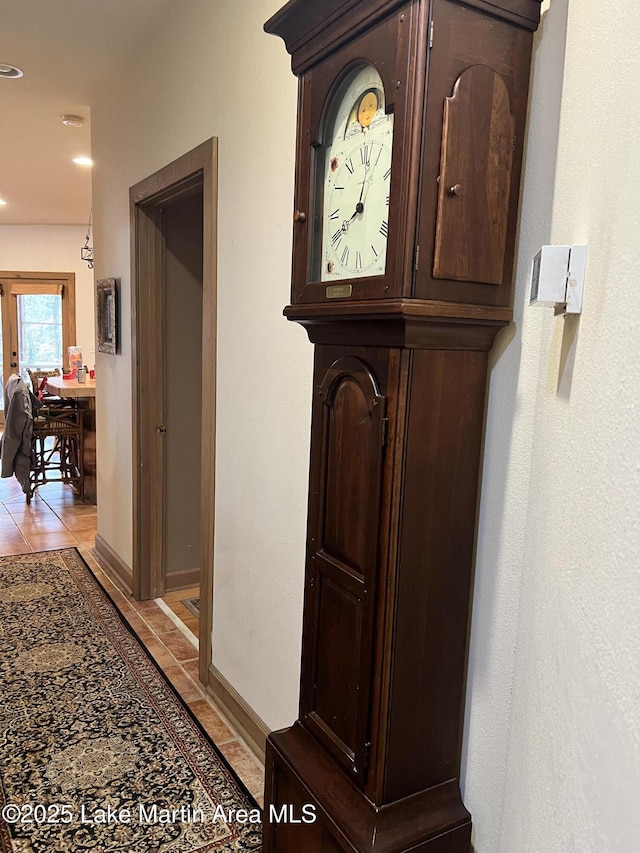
{"x": 552, "y": 751}
{"x": 210, "y": 70}
{"x": 54, "y": 248}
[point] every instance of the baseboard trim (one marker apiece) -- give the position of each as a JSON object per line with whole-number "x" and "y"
{"x": 181, "y": 580}
{"x": 112, "y": 565}
{"x": 241, "y": 716}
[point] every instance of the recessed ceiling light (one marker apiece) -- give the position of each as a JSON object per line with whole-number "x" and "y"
{"x": 2, "y": 201}
{"x": 83, "y": 161}
{"x": 73, "y": 121}
{"x": 9, "y": 71}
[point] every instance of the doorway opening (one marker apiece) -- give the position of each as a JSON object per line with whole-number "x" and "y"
{"x": 182, "y": 228}
{"x": 173, "y": 231}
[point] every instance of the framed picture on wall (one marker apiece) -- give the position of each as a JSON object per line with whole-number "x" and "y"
{"x": 107, "y": 315}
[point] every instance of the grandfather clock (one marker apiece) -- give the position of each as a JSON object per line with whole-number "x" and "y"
{"x": 411, "y": 126}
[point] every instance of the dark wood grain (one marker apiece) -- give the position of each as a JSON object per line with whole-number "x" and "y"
{"x": 441, "y": 455}
{"x": 312, "y": 30}
{"x": 402, "y": 323}
{"x": 344, "y": 517}
{"x": 400, "y": 382}
{"x": 464, "y": 38}
{"x": 89, "y": 466}
{"x": 421, "y": 262}
{"x": 475, "y": 179}
{"x": 391, "y": 45}
{"x": 299, "y": 771}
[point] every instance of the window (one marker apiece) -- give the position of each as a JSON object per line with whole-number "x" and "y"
{"x": 38, "y": 322}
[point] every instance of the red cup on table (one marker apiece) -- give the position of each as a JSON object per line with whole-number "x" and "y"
{"x": 92, "y": 374}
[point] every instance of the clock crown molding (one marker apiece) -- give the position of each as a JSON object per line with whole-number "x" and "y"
{"x": 302, "y": 23}
{"x": 311, "y": 29}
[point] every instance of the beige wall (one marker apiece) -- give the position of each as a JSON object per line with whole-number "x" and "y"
{"x": 54, "y": 248}
{"x": 211, "y": 71}
{"x": 551, "y": 752}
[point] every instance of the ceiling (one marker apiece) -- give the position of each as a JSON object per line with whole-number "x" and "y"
{"x": 68, "y": 51}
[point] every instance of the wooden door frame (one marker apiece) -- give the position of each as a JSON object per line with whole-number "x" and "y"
{"x": 198, "y": 169}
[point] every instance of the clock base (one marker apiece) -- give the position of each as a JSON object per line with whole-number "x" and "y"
{"x": 303, "y": 782}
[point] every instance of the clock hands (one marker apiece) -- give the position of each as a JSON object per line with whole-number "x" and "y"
{"x": 359, "y": 209}
{"x": 366, "y": 162}
{"x": 360, "y": 170}
{"x": 347, "y": 222}
{"x": 365, "y": 154}
{"x": 370, "y": 178}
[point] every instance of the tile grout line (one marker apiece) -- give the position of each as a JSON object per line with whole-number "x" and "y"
{"x": 177, "y": 622}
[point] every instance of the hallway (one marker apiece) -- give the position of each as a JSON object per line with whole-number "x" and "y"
{"x": 57, "y": 519}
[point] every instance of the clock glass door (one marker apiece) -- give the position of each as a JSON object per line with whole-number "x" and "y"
{"x": 353, "y": 179}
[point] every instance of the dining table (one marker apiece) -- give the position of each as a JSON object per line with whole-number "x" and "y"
{"x": 85, "y": 394}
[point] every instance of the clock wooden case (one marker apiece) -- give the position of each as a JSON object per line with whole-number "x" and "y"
{"x": 410, "y": 135}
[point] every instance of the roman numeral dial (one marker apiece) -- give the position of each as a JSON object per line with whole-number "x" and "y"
{"x": 352, "y": 180}
{"x": 356, "y": 205}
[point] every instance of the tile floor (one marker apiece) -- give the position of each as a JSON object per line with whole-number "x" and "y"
{"x": 57, "y": 519}
{"x": 174, "y": 600}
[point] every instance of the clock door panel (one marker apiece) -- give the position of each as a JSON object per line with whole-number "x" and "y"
{"x": 475, "y": 115}
{"x": 342, "y": 565}
{"x": 475, "y": 179}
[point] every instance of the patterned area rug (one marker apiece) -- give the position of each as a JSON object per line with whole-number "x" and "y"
{"x": 97, "y": 751}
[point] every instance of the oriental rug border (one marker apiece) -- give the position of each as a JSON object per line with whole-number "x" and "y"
{"x": 97, "y": 750}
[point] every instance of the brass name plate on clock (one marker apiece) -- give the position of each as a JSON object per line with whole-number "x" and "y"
{"x": 338, "y": 291}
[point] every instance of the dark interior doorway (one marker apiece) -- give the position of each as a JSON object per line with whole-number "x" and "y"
{"x": 182, "y": 227}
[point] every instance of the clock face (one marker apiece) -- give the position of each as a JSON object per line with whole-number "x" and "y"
{"x": 354, "y": 180}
